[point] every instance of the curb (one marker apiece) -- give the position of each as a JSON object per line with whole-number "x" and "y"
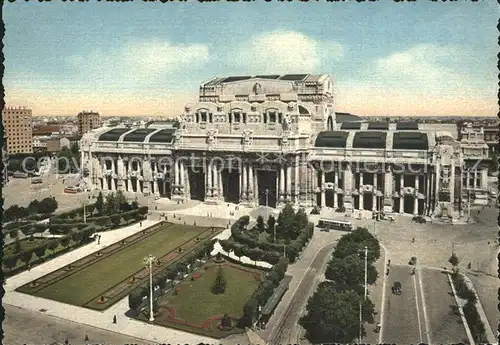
{"x": 462, "y": 316}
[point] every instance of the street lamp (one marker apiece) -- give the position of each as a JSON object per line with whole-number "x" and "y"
{"x": 366, "y": 271}
{"x": 148, "y": 262}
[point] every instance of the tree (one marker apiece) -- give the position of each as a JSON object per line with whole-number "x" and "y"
{"x": 219, "y": 285}
{"x": 17, "y": 246}
{"x": 227, "y": 245}
{"x": 332, "y": 317}
{"x": 10, "y": 262}
{"x": 14, "y": 233}
{"x": 271, "y": 222}
{"x": 26, "y": 256}
{"x": 52, "y": 245}
{"x": 112, "y": 206}
{"x": 76, "y": 236}
{"x": 255, "y": 255}
{"x": 33, "y": 206}
{"x": 349, "y": 271}
{"x": 453, "y": 260}
{"x": 238, "y": 251}
{"x": 354, "y": 243}
{"x": 301, "y": 219}
{"x": 40, "y": 251}
{"x": 225, "y": 322}
{"x": 287, "y": 225}
{"x": 65, "y": 241}
{"x": 47, "y": 205}
{"x": 260, "y": 224}
{"x": 99, "y": 204}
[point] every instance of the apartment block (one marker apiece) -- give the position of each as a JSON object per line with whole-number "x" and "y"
{"x": 17, "y": 122}
{"x": 87, "y": 121}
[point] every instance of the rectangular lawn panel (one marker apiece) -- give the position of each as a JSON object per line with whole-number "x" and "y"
{"x": 195, "y": 303}
{"x": 91, "y": 282}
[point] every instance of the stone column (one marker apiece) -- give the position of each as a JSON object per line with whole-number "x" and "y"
{"x": 336, "y": 182}
{"x": 401, "y": 194}
{"x": 155, "y": 178}
{"x": 348, "y": 188}
{"x": 176, "y": 172}
{"x": 209, "y": 179}
{"x": 289, "y": 182}
{"x": 437, "y": 177}
{"x": 250, "y": 182}
{"x": 475, "y": 179}
{"x": 388, "y": 189}
{"x": 182, "y": 175}
{"x": 484, "y": 179}
{"x": 221, "y": 187}
{"x": 245, "y": 181}
{"x": 374, "y": 208}
{"x": 415, "y": 201}
{"x": 323, "y": 190}
{"x": 452, "y": 183}
{"x": 468, "y": 180}
{"x": 428, "y": 192}
{"x": 360, "y": 181}
{"x": 296, "y": 177}
{"x": 282, "y": 182}
{"x": 104, "y": 175}
{"x": 215, "y": 180}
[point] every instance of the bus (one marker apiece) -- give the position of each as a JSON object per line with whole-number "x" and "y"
{"x": 332, "y": 224}
{"x": 72, "y": 190}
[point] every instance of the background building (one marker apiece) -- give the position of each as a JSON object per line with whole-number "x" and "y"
{"x": 17, "y": 122}
{"x": 87, "y": 121}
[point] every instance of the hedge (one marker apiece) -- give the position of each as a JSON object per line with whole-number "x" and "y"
{"x": 292, "y": 250}
{"x": 263, "y": 292}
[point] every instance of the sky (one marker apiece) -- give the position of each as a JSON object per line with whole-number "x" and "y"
{"x": 386, "y": 58}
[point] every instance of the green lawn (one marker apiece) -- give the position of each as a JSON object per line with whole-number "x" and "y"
{"x": 196, "y": 303}
{"x": 92, "y": 281}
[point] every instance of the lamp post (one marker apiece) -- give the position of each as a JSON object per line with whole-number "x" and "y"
{"x": 148, "y": 262}
{"x": 366, "y": 271}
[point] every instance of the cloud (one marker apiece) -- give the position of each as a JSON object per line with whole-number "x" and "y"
{"x": 137, "y": 63}
{"x": 284, "y": 52}
{"x": 425, "y": 79}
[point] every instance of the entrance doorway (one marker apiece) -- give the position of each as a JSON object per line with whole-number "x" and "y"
{"x": 329, "y": 198}
{"x": 267, "y": 181}
{"x": 408, "y": 204}
{"x": 368, "y": 201}
{"x": 231, "y": 185}
{"x": 197, "y": 185}
{"x": 164, "y": 188}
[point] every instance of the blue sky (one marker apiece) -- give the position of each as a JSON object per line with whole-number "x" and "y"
{"x": 387, "y": 58}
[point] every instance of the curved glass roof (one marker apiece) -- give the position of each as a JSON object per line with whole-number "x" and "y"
{"x": 379, "y": 125}
{"x": 410, "y": 141}
{"x": 138, "y": 135}
{"x": 113, "y": 135}
{"x": 331, "y": 139}
{"x": 369, "y": 140}
{"x": 407, "y": 126}
{"x": 351, "y": 125}
{"x": 163, "y": 136}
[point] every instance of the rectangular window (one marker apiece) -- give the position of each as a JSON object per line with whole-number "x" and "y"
{"x": 237, "y": 117}
{"x": 203, "y": 117}
{"x": 272, "y": 117}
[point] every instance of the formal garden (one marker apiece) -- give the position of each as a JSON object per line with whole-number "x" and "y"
{"x": 99, "y": 280}
{"x": 268, "y": 240}
{"x": 221, "y": 296}
{"x": 333, "y": 310}
{"x": 69, "y": 229}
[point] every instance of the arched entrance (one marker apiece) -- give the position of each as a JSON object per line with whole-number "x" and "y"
{"x": 267, "y": 181}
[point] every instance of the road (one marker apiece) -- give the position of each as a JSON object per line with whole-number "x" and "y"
{"x": 25, "y": 327}
{"x": 287, "y": 330}
{"x": 404, "y": 320}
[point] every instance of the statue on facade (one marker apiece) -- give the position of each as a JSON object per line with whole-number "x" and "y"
{"x": 181, "y": 120}
{"x": 247, "y": 137}
{"x": 287, "y": 122}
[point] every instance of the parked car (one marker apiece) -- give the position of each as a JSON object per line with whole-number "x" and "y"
{"x": 397, "y": 288}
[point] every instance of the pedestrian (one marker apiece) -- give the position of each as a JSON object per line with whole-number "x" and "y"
{"x": 29, "y": 267}
{"x": 387, "y": 272}
{"x": 156, "y": 207}
{"x": 86, "y": 337}
{"x": 388, "y": 262}
{"x": 140, "y": 223}
{"x": 114, "y": 318}
{"x": 469, "y": 265}
{"x": 66, "y": 342}
{"x": 413, "y": 240}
